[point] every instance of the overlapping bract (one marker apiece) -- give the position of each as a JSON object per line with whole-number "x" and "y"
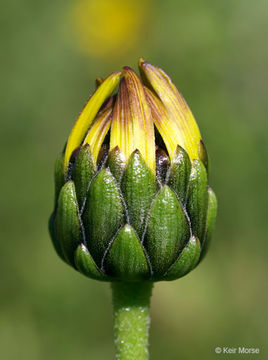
{"x": 125, "y": 209}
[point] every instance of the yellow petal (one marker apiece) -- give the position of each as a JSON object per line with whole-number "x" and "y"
{"x": 166, "y": 127}
{"x": 132, "y": 125}
{"x": 142, "y": 124}
{"x": 88, "y": 114}
{"x": 122, "y": 127}
{"x": 97, "y": 133}
{"x": 188, "y": 134}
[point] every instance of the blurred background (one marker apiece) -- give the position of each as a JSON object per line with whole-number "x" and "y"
{"x": 216, "y": 53}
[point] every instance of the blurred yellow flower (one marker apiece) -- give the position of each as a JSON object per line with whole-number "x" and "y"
{"x": 108, "y": 27}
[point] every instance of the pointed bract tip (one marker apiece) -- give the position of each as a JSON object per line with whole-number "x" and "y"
{"x": 195, "y": 240}
{"x": 116, "y": 149}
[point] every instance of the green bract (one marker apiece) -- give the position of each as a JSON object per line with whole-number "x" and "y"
{"x": 128, "y": 206}
{"x": 135, "y": 227}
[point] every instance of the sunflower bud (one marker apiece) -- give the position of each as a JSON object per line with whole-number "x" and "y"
{"x": 132, "y": 195}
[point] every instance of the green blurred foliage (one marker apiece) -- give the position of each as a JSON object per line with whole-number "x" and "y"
{"x": 216, "y": 52}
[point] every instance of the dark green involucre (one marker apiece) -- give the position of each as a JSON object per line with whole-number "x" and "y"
{"x": 121, "y": 222}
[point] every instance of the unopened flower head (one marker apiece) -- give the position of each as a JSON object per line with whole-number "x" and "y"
{"x": 132, "y": 195}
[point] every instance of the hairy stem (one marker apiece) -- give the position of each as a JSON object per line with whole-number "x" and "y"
{"x": 131, "y": 302}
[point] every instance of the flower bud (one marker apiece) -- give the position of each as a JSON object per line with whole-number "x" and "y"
{"x": 132, "y": 195}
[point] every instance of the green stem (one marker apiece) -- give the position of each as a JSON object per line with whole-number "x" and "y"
{"x": 131, "y": 302}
